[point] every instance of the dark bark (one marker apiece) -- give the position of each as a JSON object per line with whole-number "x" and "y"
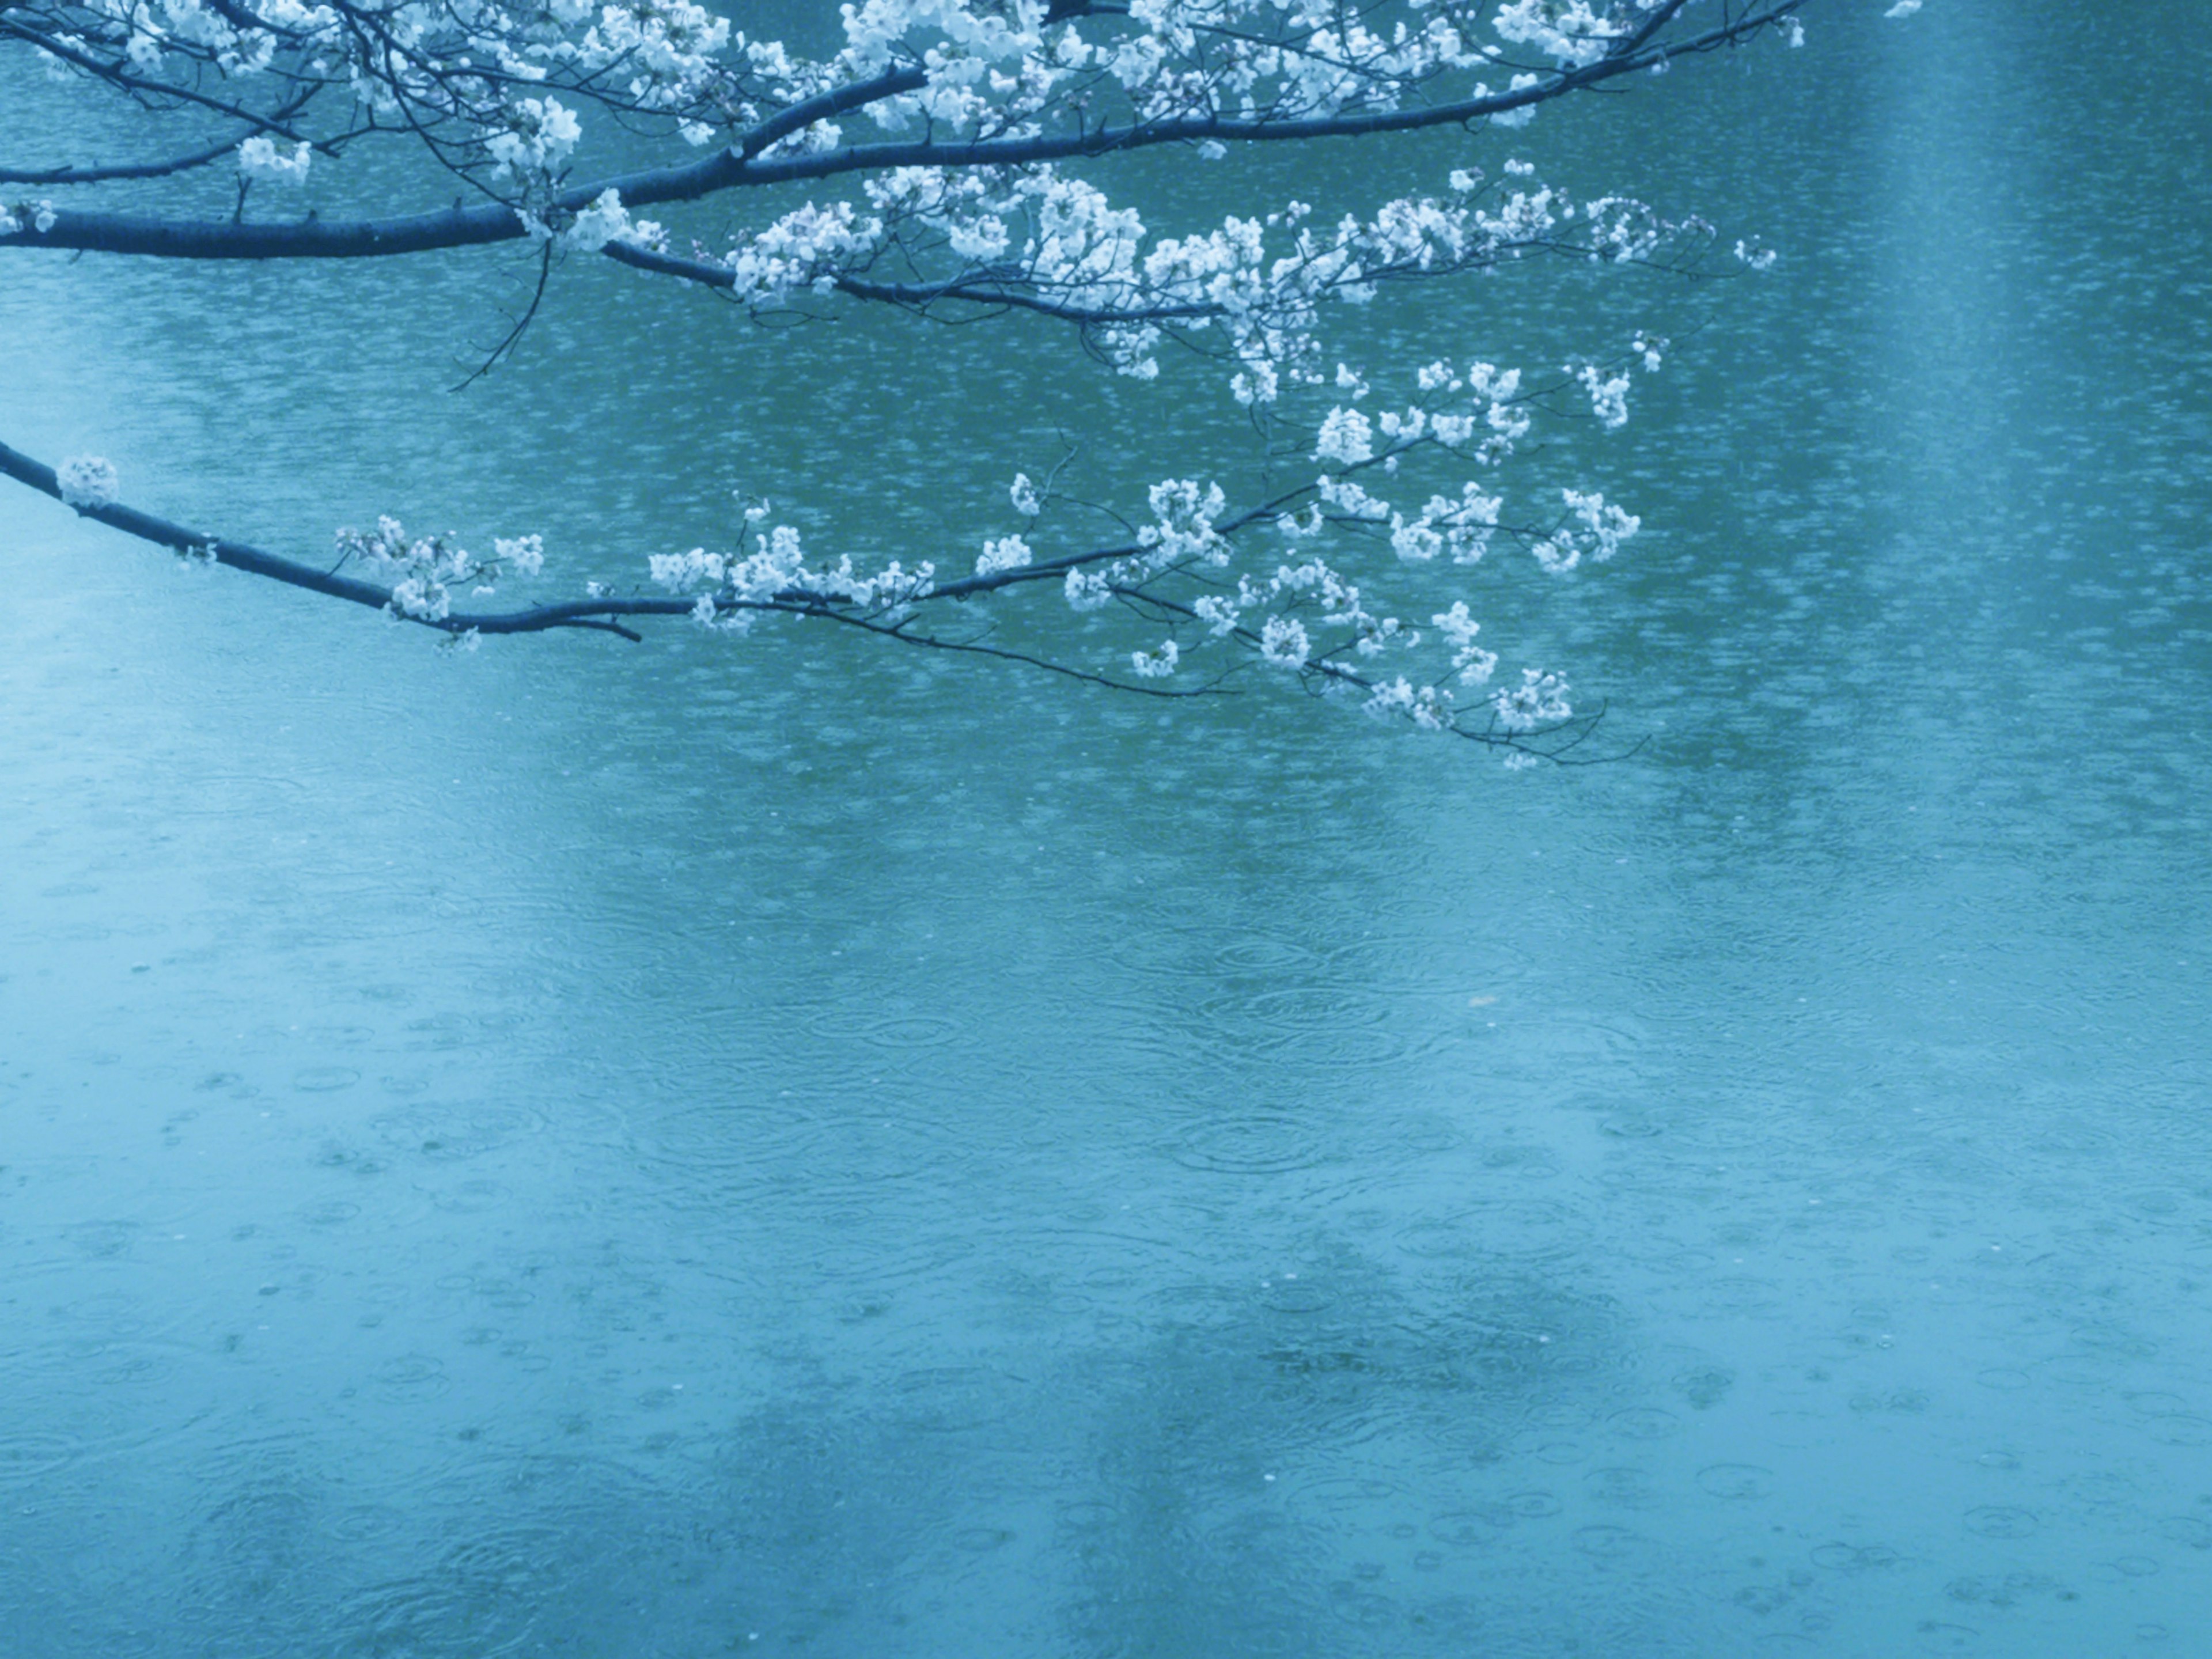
{"x": 743, "y": 166}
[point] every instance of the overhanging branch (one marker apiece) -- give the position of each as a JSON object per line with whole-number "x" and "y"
{"x": 736, "y": 168}
{"x": 606, "y": 614}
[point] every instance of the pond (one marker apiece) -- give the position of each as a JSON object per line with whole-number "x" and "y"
{"x": 684, "y": 1148}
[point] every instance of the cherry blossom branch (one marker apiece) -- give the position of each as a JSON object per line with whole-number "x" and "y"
{"x": 141, "y": 86}
{"x": 223, "y": 150}
{"x": 240, "y": 556}
{"x": 974, "y": 290}
{"x": 733, "y": 167}
{"x": 1187, "y": 539}
{"x": 961, "y": 207}
{"x": 597, "y": 614}
{"x": 901, "y": 632}
{"x": 842, "y": 100}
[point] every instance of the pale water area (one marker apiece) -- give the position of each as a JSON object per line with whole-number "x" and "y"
{"x": 678, "y": 1150}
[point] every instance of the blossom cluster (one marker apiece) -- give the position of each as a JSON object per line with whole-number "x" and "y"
{"x": 39, "y": 215}
{"x": 501, "y": 89}
{"x": 777, "y": 574}
{"x": 919, "y": 157}
{"x": 1034, "y": 234}
{"x": 1306, "y": 613}
{"x": 426, "y": 569}
{"x": 258, "y": 157}
{"x": 592, "y": 226}
{"x": 1279, "y": 585}
{"x": 87, "y": 480}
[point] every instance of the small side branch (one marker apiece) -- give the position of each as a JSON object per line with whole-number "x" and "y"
{"x": 220, "y": 151}
{"x": 989, "y": 294}
{"x": 117, "y": 75}
{"x": 101, "y": 175}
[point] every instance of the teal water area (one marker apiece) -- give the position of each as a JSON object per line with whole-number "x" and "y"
{"x": 583, "y": 1148}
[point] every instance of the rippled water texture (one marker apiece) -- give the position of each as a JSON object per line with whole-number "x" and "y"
{"x": 645, "y": 1151}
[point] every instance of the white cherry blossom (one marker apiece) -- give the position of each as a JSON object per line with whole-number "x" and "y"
{"x": 938, "y": 157}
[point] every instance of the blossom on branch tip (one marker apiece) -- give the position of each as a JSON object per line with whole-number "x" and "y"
{"x": 1608, "y": 396}
{"x": 1539, "y": 700}
{"x": 1086, "y": 590}
{"x": 525, "y": 555}
{"x": 1427, "y": 707}
{"x": 1474, "y": 665}
{"x": 538, "y": 136}
{"x": 1284, "y": 642}
{"x": 429, "y": 567}
{"x": 1219, "y": 613}
{"x": 259, "y": 158}
{"x": 1157, "y": 664}
{"x": 1416, "y": 542}
{"x": 1345, "y": 437}
{"x": 1182, "y": 526}
{"x": 1349, "y": 498}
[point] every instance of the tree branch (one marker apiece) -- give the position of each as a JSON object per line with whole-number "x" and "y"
{"x": 96, "y": 175}
{"x": 842, "y": 100}
{"x": 116, "y": 75}
{"x": 734, "y": 169}
{"x": 917, "y": 295}
{"x": 575, "y": 613}
{"x": 602, "y": 614}
{"x": 100, "y": 175}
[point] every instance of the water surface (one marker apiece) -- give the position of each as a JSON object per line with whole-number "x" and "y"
{"x": 583, "y": 1148}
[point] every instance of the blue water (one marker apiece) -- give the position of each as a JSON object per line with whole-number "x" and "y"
{"x": 675, "y": 1149}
